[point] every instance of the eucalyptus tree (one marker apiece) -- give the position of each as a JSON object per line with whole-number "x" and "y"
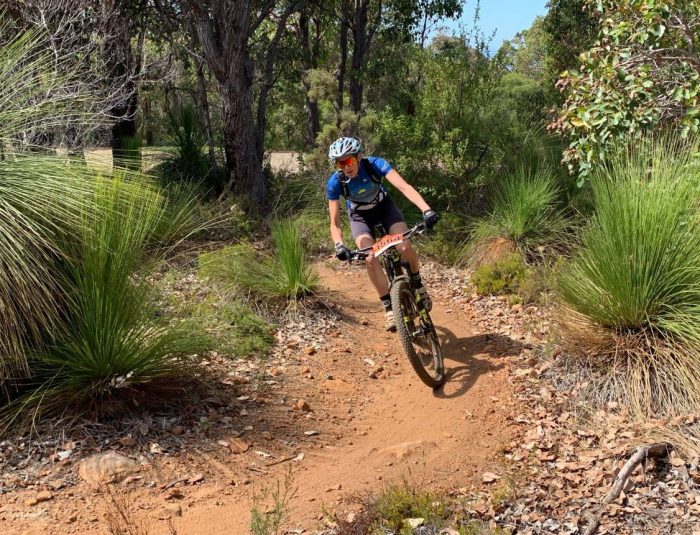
{"x": 403, "y": 19}
{"x": 643, "y": 73}
{"x": 227, "y": 32}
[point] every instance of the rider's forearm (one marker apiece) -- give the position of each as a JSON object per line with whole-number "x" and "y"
{"x": 396, "y": 180}
{"x": 336, "y": 233}
{"x": 412, "y": 195}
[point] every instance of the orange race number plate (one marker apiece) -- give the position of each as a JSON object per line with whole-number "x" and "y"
{"x": 385, "y": 242}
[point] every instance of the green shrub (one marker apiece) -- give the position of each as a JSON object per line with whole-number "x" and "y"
{"x": 111, "y": 342}
{"x": 632, "y": 290}
{"x": 525, "y": 211}
{"x": 301, "y": 197}
{"x": 285, "y": 273}
{"x": 502, "y": 277}
{"x": 185, "y": 159}
{"x": 398, "y": 502}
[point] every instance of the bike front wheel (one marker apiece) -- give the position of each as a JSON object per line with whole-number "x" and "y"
{"x": 417, "y": 335}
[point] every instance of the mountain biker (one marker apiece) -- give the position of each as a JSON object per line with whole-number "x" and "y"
{"x": 359, "y": 180}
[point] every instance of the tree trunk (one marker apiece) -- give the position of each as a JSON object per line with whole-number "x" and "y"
{"x": 359, "y": 49}
{"x": 118, "y": 54}
{"x": 268, "y": 78}
{"x": 342, "y": 64}
{"x": 310, "y": 59}
{"x": 244, "y": 168}
{"x": 206, "y": 116}
{"x": 224, "y": 38}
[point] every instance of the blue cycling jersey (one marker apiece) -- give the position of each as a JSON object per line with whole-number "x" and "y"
{"x": 361, "y": 188}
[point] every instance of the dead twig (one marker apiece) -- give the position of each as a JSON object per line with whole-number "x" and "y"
{"x": 284, "y": 460}
{"x": 641, "y": 454}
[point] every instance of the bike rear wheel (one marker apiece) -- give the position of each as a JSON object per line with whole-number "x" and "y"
{"x": 417, "y": 335}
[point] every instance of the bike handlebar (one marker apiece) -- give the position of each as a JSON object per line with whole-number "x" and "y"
{"x": 361, "y": 254}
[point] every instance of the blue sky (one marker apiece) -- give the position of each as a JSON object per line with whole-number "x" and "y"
{"x": 506, "y": 17}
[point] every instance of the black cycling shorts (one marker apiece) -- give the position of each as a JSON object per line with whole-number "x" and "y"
{"x": 364, "y": 221}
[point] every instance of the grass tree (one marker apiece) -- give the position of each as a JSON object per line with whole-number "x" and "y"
{"x": 525, "y": 216}
{"x": 75, "y": 316}
{"x": 40, "y": 204}
{"x": 40, "y": 199}
{"x": 631, "y": 294}
{"x": 285, "y": 274}
{"x": 111, "y": 342}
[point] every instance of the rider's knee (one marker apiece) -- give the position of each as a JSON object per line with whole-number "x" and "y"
{"x": 371, "y": 261}
{"x": 404, "y": 248}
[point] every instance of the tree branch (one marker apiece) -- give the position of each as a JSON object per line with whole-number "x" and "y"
{"x": 641, "y": 454}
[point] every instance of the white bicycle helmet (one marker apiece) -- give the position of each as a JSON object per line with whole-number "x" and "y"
{"x": 345, "y": 146}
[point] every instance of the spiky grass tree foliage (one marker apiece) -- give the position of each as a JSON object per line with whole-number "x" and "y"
{"x": 631, "y": 294}
{"x": 40, "y": 205}
{"x": 525, "y": 215}
{"x": 300, "y": 196}
{"x": 40, "y": 91}
{"x": 285, "y": 273}
{"x": 40, "y": 199}
{"x": 111, "y": 341}
{"x": 75, "y": 320}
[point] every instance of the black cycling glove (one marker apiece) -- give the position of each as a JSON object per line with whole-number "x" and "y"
{"x": 430, "y": 218}
{"x": 342, "y": 252}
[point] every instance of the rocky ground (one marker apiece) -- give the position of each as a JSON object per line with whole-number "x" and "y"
{"x": 337, "y": 410}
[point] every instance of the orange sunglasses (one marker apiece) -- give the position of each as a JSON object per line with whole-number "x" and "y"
{"x": 344, "y": 161}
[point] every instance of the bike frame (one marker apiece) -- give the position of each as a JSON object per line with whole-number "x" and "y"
{"x": 390, "y": 258}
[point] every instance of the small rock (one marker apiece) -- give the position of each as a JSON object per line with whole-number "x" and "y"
{"x": 177, "y": 430}
{"x": 63, "y": 455}
{"x": 171, "y": 510}
{"x": 106, "y": 468}
{"x": 238, "y": 445}
{"x": 301, "y": 405}
{"x": 56, "y": 484}
{"x": 310, "y": 350}
{"x": 413, "y": 523}
{"x": 306, "y": 369}
{"x": 43, "y": 496}
{"x": 266, "y": 435}
{"x": 275, "y": 372}
{"x": 490, "y": 477}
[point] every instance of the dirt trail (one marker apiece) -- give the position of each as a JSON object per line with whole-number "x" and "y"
{"x": 444, "y": 439}
{"x": 370, "y": 430}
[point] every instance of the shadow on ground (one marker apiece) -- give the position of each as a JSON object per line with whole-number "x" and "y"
{"x": 462, "y": 352}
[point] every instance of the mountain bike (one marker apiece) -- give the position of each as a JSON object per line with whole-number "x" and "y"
{"x": 413, "y": 324}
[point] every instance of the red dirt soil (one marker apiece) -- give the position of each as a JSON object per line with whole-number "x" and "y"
{"x": 370, "y": 431}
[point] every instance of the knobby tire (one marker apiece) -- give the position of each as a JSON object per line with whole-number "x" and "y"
{"x": 404, "y": 305}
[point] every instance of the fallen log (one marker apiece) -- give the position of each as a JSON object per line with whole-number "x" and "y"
{"x": 640, "y": 454}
